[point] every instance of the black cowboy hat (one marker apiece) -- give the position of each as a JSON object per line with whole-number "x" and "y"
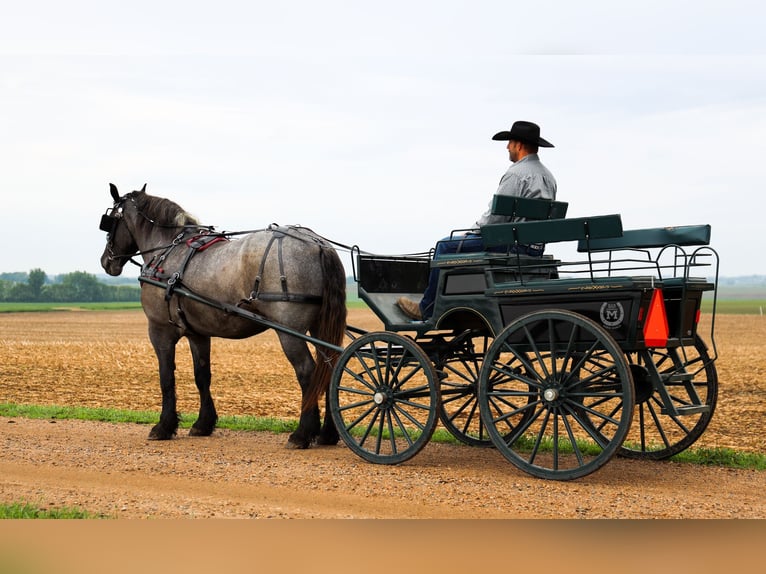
{"x": 526, "y": 132}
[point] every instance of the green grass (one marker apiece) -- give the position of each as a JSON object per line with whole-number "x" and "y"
{"x": 25, "y": 510}
{"x": 46, "y": 307}
{"x": 724, "y": 457}
{"x": 736, "y": 306}
{"x": 245, "y": 423}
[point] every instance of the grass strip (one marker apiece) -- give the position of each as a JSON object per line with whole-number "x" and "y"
{"x": 723, "y": 457}
{"x": 245, "y": 423}
{"x": 24, "y": 510}
{"x": 6, "y": 307}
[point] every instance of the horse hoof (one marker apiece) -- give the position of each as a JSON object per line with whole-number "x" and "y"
{"x": 297, "y": 445}
{"x": 159, "y": 434}
{"x": 327, "y": 441}
{"x": 194, "y": 431}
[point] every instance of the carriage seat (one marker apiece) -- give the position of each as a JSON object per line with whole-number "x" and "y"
{"x": 585, "y": 229}
{"x": 642, "y": 240}
{"x": 548, "y": 231}
{"x": 526, "y": 208}
{"x": 683, "y": 236}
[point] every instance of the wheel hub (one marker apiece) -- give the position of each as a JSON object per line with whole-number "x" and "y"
{"x": 383, "y": 397}
{"x": 551, "y": 394}
{"x": 642, "y": 383}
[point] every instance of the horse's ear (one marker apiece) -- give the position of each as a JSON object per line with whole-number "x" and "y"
{"x": 143, "y": 189}
{"x": 114, "y": 192}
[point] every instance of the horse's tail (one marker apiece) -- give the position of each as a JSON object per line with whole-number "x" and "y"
{"x": 332, "y": 321}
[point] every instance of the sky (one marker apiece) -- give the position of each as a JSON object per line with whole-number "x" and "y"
{"x": 371, "y": 123}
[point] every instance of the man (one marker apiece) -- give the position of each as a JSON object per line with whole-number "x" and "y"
{"x": 527, "y": 177}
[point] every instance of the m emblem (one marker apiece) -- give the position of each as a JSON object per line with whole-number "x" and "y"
{"x": 612, "y": 315}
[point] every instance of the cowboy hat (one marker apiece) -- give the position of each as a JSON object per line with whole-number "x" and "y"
{"x": 526, "y": 132}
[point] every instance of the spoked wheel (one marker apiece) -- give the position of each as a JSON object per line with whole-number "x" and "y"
{"x": 691, "y": 380}
{"x": 383, "y": 397}
{"x": 459, "y": 382}
{"x": 556, "y": 394}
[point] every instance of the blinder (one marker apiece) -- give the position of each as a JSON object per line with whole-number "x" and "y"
{"x": 109, "y": 221}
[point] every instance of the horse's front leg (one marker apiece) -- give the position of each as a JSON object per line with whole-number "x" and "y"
{"x": 297, "y": 352}
{"x": 164, "y": 343}
{"x": 200, "y": 349}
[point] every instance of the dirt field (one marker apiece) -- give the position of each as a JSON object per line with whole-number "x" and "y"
{"x": 105, "y": 359}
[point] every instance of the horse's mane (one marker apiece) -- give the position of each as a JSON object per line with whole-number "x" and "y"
{"x": 163, "y": 211}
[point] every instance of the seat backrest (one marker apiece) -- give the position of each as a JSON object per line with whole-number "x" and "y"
{"x": 683, "y": 236}
{"x": 552, "y": 230}
{"x": 528, "y": 208}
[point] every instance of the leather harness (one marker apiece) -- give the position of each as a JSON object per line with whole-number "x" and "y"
{"x": 204, "y": 239}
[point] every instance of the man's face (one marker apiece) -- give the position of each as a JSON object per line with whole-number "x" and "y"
{"x": 514, "y": 150}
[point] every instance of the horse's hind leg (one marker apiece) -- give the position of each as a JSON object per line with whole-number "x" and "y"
{"x": 329, "y": 434}
{"x": 164, "y": 342}
{"x": 200, "y": 350}
{"x": 297, "y": 352}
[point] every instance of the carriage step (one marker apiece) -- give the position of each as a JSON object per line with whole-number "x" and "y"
{"x": 687, "y": 410}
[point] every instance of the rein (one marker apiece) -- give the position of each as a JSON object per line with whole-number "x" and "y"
{"x": 109, "y": 222}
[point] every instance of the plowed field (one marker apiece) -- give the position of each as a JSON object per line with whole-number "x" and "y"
{"x": 104, "y": 359}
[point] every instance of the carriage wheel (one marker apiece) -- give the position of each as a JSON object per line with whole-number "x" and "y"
{"x": 549, "y": 380}
{"x": 691, "y": 380}
{"x": 383, "y": 397}
{"x": 458, "y": 383}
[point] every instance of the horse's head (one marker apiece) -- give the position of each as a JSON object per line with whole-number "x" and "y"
{"x": 120, "y": 243}
{"x": 139, "y": 221}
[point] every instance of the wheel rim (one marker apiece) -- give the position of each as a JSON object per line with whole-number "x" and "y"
{"x": 383, "y": 397}
{"x": 458, "y": 383}
{"x": 556, "y": 394}
{"x": 656, "y": 434}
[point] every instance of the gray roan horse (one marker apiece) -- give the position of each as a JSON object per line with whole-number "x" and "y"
{"x": 286, "y": 275}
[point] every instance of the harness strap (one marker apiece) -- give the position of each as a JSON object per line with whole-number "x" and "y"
{"x": 178, "y": 275}
{"x": 256, "y": 292}
{"x": 154, "y": 268}
{"x": 277, "y": 235}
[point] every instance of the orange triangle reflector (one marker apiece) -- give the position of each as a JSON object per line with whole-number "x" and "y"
{"x": 656, "y": 330}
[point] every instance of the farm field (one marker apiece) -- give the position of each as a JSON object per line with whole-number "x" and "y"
{"x": 104, "y": 359}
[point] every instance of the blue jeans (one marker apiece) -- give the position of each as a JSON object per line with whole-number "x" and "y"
{"x": 468, "y": 243}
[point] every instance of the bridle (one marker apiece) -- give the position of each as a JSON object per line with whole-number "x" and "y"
{"x": 109, "y": 222}
{"x": 111, "y": 219}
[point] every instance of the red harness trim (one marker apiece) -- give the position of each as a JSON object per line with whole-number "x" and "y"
{"x": 203, "y": 241}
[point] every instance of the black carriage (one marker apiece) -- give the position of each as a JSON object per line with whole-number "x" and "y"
{"x": 559, "y": 365}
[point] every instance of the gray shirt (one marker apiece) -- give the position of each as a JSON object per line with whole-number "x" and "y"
{"x": 527, "y": 177}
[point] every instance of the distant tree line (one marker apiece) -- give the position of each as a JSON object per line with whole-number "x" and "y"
{"x": 75, "y": 287}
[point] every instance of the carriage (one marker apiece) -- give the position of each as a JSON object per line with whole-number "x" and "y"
{"x": 559, "y": 365}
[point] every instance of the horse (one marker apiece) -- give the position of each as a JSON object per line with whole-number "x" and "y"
{"x": 287, "y": 276}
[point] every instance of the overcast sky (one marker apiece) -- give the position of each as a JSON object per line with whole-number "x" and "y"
{"x": 371, "y": 123}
